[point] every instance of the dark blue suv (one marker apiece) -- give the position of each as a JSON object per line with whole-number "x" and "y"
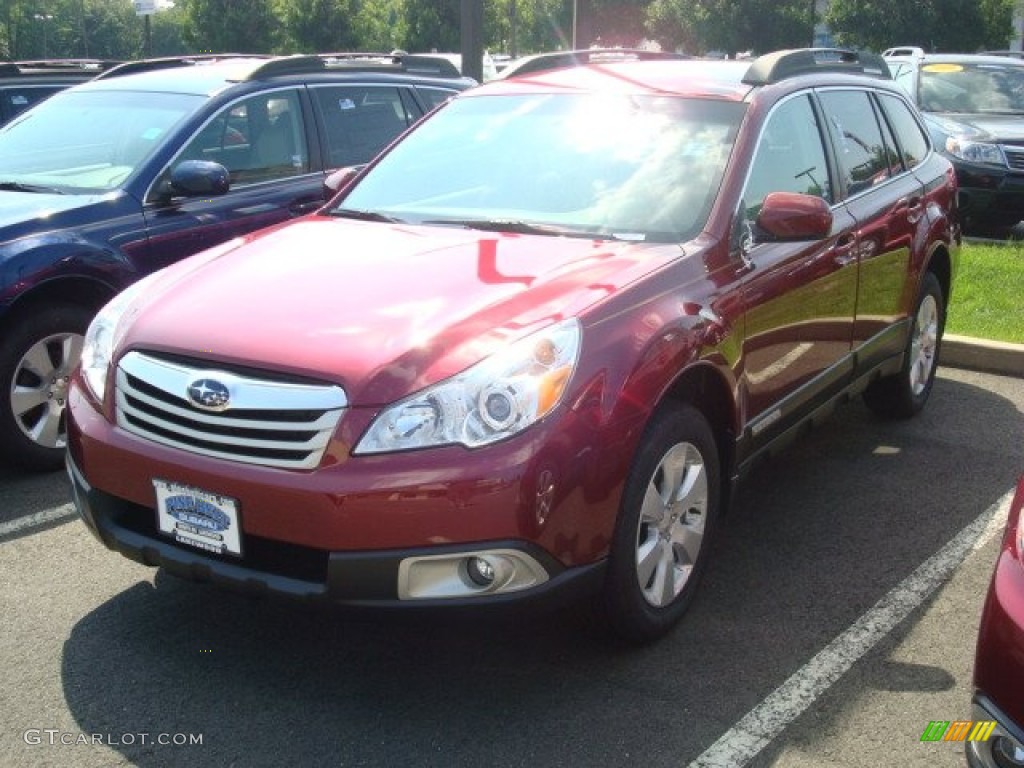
{"x": 156, "y": 160}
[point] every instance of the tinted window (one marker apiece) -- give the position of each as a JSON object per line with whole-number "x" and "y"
{"x": 913, "y": 145}
{"x": 18, "y": 100}
{"x": 789, "y": 157}
{"x": 360, "y": 121}
{"x": 863, "y": 160}
{"x": 257, "y": 139}
{"x": 434, "y": 97}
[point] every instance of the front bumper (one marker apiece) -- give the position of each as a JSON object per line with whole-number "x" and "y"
{"x": 358, "y": 579}
{"x": 1005, "y": 739}
{"x": 989, "y": 198}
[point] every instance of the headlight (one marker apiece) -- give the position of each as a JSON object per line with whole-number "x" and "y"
{"x": 975, "y": 151}
{"x": 496, "y": 398}
{"x": 102, "y": 336}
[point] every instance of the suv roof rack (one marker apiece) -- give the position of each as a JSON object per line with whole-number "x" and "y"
{"x": 557, "y": 59}
{"x": 773, "y": 67}
{"x": 30, "y": 67}
{"x": 420, "y": 64}
{"x": 151, "y": 65}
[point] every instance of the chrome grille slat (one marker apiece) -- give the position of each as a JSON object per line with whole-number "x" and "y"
{"x": 269, "y": 422}
{"x": 1014, "y": 157}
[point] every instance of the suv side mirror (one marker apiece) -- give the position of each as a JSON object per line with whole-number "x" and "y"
{"x": 337, "y": 180}
{"x": 792, "y": 216}
{"x": 196, "y": 178}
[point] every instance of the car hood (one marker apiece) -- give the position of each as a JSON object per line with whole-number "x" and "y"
{"x": 381, "y": 309}
{"x": 25, "y": 212}
{"x": 981, "y": 127}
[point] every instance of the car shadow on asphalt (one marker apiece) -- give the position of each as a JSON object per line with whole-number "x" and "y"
{"x": 818, "y": 535}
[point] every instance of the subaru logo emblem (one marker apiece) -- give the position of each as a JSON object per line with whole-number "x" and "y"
{"x": 209, "y": 394}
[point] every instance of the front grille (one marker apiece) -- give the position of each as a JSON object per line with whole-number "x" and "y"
{"x": 1014, "y": 157}
{"x": 267, "y": 421}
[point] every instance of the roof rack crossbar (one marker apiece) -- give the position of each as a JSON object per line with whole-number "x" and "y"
{"x": 773, "y": 67}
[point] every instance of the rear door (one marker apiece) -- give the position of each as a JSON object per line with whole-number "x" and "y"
{"x": 887, "y": 201}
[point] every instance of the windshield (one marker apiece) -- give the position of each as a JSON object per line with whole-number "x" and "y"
{"x": 972, "y": 88}
{"x": 609, "y": 166}
{"x": 89, "y": 141}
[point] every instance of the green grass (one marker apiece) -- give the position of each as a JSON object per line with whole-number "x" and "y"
{"x": 988, "y": 295}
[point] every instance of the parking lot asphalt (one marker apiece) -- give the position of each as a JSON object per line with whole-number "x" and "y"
{"x": 838, "y": 619}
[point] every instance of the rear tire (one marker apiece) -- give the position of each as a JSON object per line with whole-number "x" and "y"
{"x": 905, "y": 394}
{"x": 662, "y": 535}
{"x": 37, "y": 356}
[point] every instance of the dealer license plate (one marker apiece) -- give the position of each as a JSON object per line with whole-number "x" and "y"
{"x": 198, "y": 518}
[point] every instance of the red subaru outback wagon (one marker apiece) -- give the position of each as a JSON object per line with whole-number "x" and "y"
{"x": 532, "y": 346}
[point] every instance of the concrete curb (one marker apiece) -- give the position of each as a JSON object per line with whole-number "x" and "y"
{"x": 982, "y": 355}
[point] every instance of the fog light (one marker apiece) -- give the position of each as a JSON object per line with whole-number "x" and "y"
{"x": 1007, "y": 753}
{"x": 480, "y": 571}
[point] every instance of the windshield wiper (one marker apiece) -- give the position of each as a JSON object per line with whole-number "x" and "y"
{"x": 17, "y": 186}
{"x": 519, "y": 227}
{"x": 352, "y": 213}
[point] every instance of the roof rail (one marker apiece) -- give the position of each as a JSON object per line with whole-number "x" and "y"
{"x": 773, "y": 67}
{"x": 55, "y": 67}
{"x": 420, "y": 64}
{"x": 542, "y": 62}
{"x": 151, "y": 65}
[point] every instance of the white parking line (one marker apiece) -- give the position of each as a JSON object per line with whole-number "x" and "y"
{"x": 761, "y": 725}
{"x": 63, "y": 512}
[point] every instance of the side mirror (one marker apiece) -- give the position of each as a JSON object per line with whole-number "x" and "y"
{"x": 792, "y": 216}
{"x": 197, "y": 178}
{"x": 338, "y": 180}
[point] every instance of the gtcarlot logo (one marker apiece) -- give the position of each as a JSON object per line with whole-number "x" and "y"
{"x": 56, "y": 737}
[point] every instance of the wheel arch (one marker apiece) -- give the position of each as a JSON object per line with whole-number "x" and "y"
{"x": 940, "y": 264}
{"x": 84, "y": 291}
{"x": 705, "y": 388}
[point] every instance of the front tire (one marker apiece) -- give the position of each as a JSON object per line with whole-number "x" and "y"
{"x": 905, "y": 394}
{"x": 662, "y": 535}
{"x": 37, "y": 357}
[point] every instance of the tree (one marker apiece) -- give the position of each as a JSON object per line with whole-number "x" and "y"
{"x": 222, "y": 26}
{"x": 732, "y": 26}
{"x": 935, "y": 25}
{"x": 312, "y": 26}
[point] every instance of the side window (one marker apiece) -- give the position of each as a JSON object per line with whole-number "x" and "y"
{"x": 20, "y": 99}
{"x": 434, "y": 97}
{"x": 789, "y": 157}
{"x": 260, "y": 138}
{"x": 360, "y": 121}
{"x": 862, "y": 155}
{"x": 913, "y": 143}
{"x": 903, "y": 75}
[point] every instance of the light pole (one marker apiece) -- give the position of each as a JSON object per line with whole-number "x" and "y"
{"x": 574, "y": 24}
{"x": 44, "y": 18}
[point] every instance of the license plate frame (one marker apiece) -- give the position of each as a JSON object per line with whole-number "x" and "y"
{"x": 199, "y": 519}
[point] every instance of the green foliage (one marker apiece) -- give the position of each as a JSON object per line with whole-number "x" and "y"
{"x": 220, "y": 26}
{"x": 986, "y": 300}
{"x": 935, "y": 25}
{"x": 310, "y": 26}
{"x": 731, "y": 26}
